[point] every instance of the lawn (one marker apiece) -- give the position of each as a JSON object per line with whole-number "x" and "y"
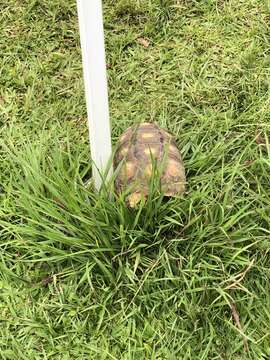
{"x": 86, "y": 278}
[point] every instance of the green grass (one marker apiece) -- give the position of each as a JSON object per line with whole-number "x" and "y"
{"x": 86, "y": 278}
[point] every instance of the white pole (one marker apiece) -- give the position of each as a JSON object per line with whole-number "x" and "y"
{"x": 95, "y": 80}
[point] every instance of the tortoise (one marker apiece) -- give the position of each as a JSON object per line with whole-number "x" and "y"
{"x": 141, "y": 149}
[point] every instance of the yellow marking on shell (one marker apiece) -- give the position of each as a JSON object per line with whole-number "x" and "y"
{"x": 124, "y": 151}
{"x": 148, "y": 170}
{"x": 147, "y": 135}
{"x": 150, "y": 151}
{"x": 173, "y": 168}
{"x": 130, "y": 168}
{"x": 127, "y": 170}
{"x": 173, "y": 149}
{"x": 123, "y": 137}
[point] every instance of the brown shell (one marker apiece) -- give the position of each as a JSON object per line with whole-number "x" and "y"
{"x": 141, "y": 148}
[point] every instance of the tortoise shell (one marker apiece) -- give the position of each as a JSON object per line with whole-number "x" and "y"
{"x": 142, "y": 150}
